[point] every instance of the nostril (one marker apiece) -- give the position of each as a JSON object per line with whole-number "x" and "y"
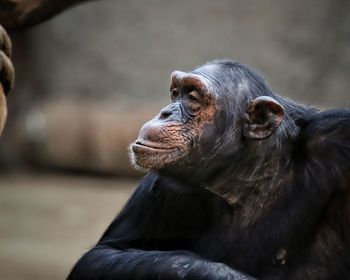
{"x": 165, "y": 114}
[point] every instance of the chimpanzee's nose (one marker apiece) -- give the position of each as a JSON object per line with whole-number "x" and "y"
{"x": 165, "y": 114}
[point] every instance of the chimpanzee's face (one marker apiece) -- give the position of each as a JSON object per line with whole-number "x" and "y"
{"x": 183, "y": 130}
{"x": 213, "y": 105}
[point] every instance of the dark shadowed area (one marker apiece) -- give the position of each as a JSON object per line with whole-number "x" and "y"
{"x": 90, "y": 77}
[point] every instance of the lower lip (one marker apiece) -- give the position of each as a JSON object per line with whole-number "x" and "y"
{"x": 137, "y": 147}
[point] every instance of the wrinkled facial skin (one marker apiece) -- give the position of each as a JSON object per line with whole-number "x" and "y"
{"x": 176, "y": 136}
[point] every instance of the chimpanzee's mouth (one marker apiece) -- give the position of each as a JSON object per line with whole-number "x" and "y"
{"x": 142, "y": 144}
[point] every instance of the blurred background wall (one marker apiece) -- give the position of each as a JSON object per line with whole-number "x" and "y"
{"x": 89, "y": 78}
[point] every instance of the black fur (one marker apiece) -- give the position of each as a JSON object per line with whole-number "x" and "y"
{"x": 293, "y": 197}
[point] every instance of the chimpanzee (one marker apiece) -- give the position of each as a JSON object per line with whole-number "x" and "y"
{"x": 242, "y": 184}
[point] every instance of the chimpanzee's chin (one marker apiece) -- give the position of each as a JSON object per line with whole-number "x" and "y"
{"x": 156, "y": 159}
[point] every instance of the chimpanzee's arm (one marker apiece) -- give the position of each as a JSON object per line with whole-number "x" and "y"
{"x": 130, "y": 247}
{"x": 110, "y": 263}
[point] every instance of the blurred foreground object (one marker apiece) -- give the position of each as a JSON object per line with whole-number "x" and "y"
{"x": 7, "y": 74}
{"x": 3, "y": 109}
{"x": 19, "y": 13}
{"x": 14, "y": 14}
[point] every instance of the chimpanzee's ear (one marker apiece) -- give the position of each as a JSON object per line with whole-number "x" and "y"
{"x": 264, "y": 115}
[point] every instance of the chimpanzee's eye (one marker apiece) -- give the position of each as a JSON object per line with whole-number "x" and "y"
{"x": 193, "y": 96}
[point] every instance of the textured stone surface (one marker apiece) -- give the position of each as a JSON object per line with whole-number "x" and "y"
{"x": 126, "y": 50}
